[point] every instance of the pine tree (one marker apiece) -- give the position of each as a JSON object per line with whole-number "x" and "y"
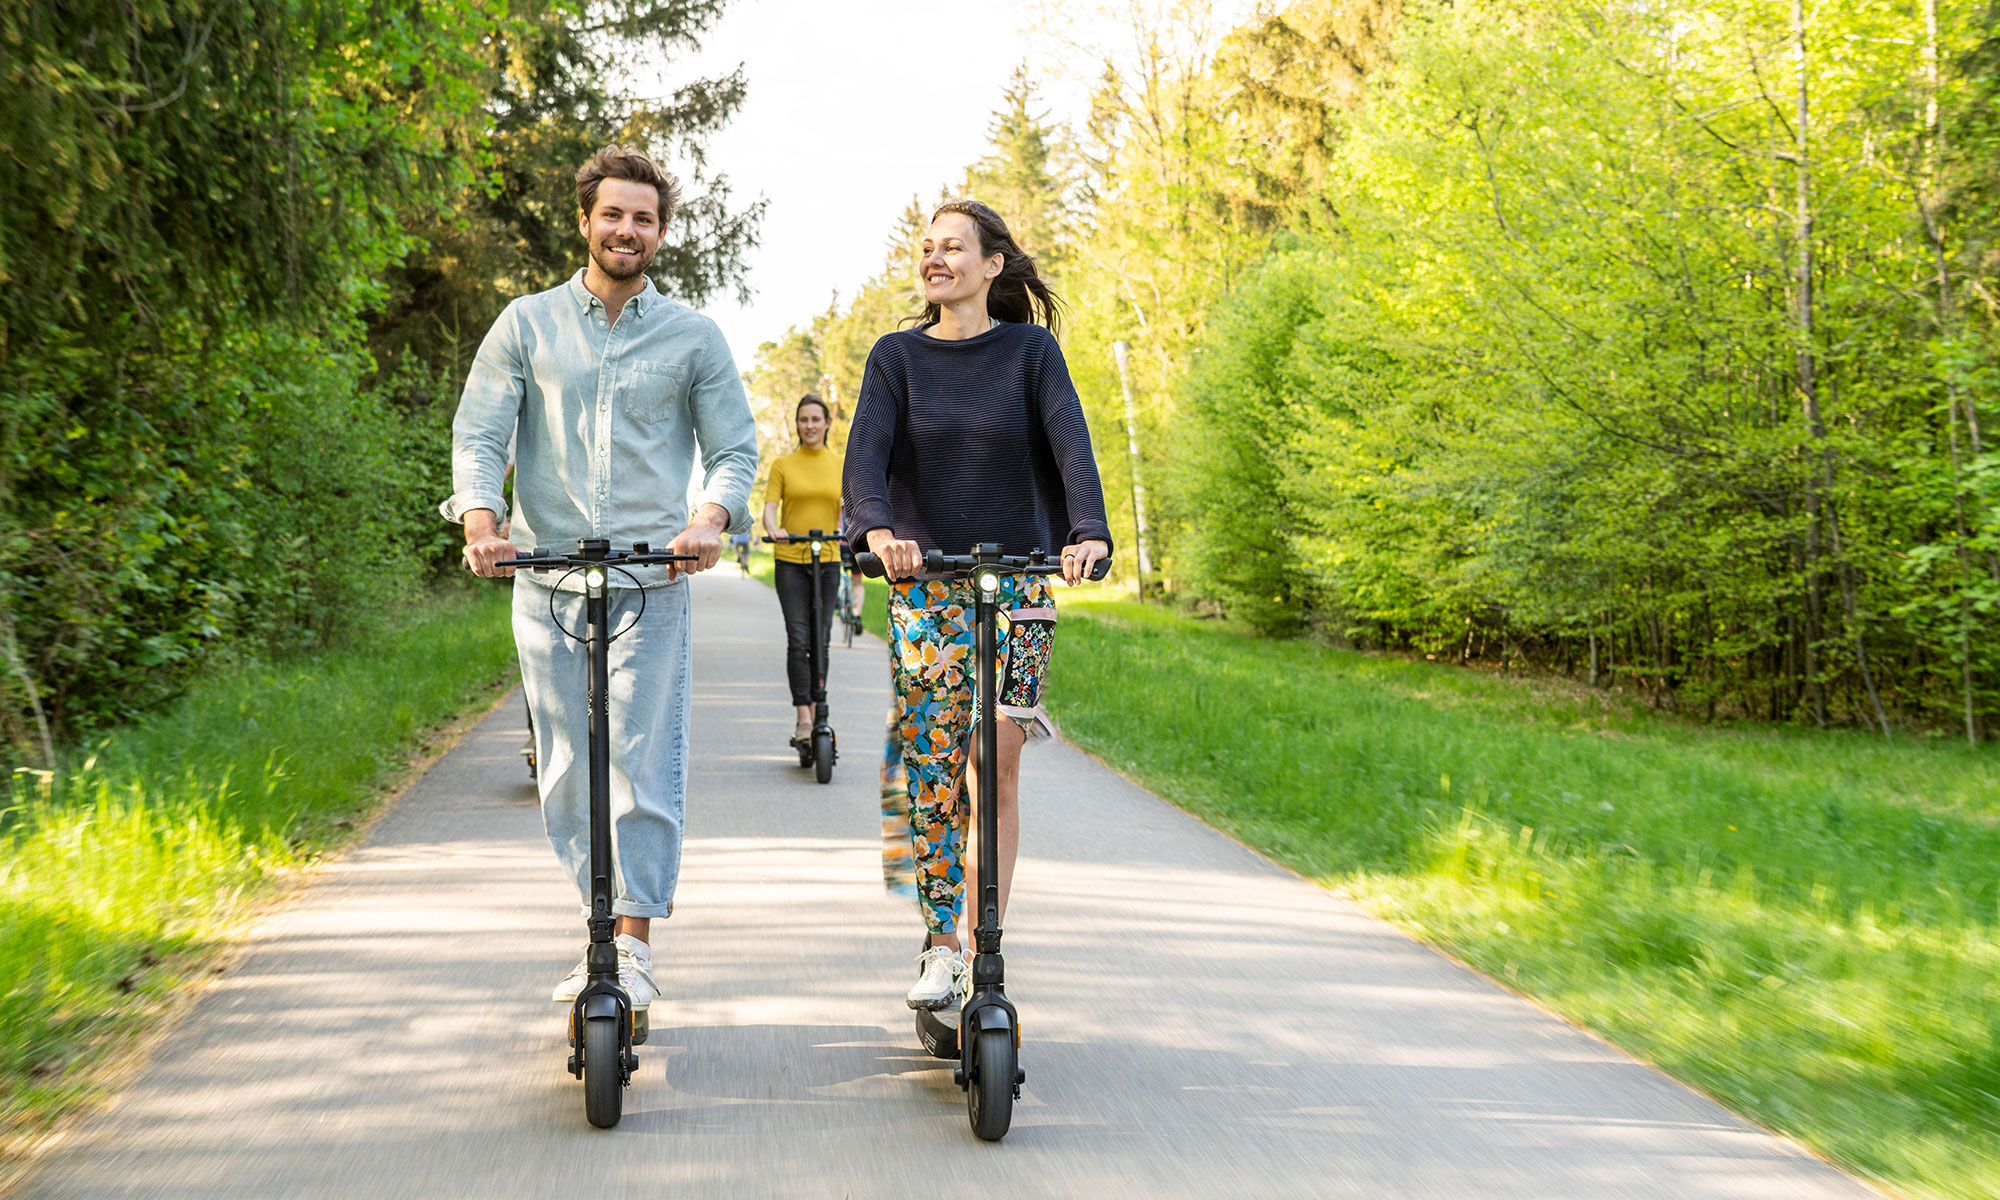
{"x": 1020, "y": 178}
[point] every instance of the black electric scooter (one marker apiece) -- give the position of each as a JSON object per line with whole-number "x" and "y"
{"x": 987, "y": 1042}
{"x": 821, "y": 748}
{"x": 603, "y": 1027}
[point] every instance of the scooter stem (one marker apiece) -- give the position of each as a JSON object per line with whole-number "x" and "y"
{"x": 602, "y": 957}
{"x": 818, "y": 658}
{"x": 987, "y": 934}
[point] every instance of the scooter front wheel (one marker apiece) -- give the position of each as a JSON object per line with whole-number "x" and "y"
{"x": 822, "y": 753}
{"x": 603, "y": 1072}
{"x": 989, "y": 1094}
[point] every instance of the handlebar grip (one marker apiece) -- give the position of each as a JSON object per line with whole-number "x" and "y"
{"x": 934, "y": 562}
{"x": 870, "y": 564}
{"x": 1101, "y": 567}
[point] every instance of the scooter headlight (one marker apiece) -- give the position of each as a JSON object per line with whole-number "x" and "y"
{"x": 594, "y": 578}
{"x": 988, "y": 581}
{"x": 815, "y": 547}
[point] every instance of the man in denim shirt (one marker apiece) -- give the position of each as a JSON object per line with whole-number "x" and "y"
{"x": 604, "y": 392}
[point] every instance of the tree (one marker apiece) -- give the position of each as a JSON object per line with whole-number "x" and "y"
{"x": 1019, "y": 179}
{"x": 554, "y": 77}
{"x": 198, "y": 199}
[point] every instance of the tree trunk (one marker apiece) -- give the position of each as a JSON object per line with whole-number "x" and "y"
{"x": 1806, "y": 365}
{"x": 1957, "y": 400}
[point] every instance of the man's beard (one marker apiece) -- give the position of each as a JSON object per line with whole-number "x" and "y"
{"x": 611, "y": 266}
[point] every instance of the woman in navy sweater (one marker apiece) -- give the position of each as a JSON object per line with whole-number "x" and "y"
{"x": 968, "y": 430}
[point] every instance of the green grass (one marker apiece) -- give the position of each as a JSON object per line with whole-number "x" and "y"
{"x": 1800, "y": 923}
{"x": 123, "y": 875}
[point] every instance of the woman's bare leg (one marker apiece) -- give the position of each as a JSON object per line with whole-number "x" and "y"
{"x": 1011, "y": 739}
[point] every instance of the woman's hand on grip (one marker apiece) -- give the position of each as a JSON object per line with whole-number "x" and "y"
{"x": 900, "y": 559}
{"x": 1078, "y": 560}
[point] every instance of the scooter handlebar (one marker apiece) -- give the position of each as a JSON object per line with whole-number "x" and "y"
{"x": 811, "y": 535}
{"x": 937, "y": 562}
{"x": 641, "y": 554}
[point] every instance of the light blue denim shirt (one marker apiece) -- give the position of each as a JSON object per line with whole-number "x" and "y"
{"x": 605, "y": 422}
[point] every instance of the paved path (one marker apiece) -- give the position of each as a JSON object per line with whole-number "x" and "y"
{"x": 1197, "y": 1022}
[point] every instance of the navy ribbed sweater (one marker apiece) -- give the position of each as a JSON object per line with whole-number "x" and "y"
{"x": 979, "y": 440}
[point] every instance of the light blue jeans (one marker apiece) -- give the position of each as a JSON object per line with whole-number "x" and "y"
{"x": 652, "y": 675}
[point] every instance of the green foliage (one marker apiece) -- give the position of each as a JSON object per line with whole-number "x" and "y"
{"x": 248, "y": 250}
{"x": 1545, "y": 335}
{"x": 199, "y": 199}
{"x": 553, "y": 76}
{"x": 1552, "y": 384}
{"x": 1021, "y": 179}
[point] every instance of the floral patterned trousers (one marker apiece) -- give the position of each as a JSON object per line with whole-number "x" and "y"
{"x": 933, "y": 633}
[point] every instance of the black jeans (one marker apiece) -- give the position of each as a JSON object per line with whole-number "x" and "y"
{"x": 795, "y": 598}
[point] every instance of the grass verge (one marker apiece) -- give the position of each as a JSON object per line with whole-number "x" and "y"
{"x": 1801, "y": 924}
{"x": 124, "y": 877}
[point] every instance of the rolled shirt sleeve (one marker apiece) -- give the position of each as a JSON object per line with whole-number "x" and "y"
{"x": 725, "y": 432}
{"x": 482, "y": 432}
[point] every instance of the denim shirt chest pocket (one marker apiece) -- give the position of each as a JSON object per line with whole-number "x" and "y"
{"x": 656, "y": 390}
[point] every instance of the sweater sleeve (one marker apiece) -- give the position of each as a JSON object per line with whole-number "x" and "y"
{"x": 864, "y": 477}
{"x": 1069, "y": 438}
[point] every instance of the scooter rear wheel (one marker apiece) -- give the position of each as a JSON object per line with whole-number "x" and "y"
{"x": 822, "y": 754}
{"x": 603, "y": 1072}
{"x": 989, "y": 1094}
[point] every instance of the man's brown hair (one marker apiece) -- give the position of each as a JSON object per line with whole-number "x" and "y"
{"x": 625, "y": 162}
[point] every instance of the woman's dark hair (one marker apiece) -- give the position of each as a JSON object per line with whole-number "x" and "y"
{"x": 1018, "y": 293}
{"x": 813, "y": 398}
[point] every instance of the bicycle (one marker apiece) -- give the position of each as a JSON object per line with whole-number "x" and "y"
{"x": 848, "y": 613}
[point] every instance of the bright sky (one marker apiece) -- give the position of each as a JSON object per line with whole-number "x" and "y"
{"x": 854, "y": 107}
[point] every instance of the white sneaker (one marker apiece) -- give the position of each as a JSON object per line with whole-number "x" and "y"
{"x": 939, "y": 984}
{"x": 949, "y": 1014}
{"x": 572, "y": 984}
{"x": 635, "y": 971}
{"x": 635, "y": 975}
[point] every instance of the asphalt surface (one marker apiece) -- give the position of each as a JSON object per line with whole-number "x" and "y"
{"x": 1196, "y": 1021}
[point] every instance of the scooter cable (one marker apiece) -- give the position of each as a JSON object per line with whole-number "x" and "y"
{"x": 556, "y": 590}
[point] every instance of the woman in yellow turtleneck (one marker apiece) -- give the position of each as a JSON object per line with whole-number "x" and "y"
{"x": 803, "y": 494}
